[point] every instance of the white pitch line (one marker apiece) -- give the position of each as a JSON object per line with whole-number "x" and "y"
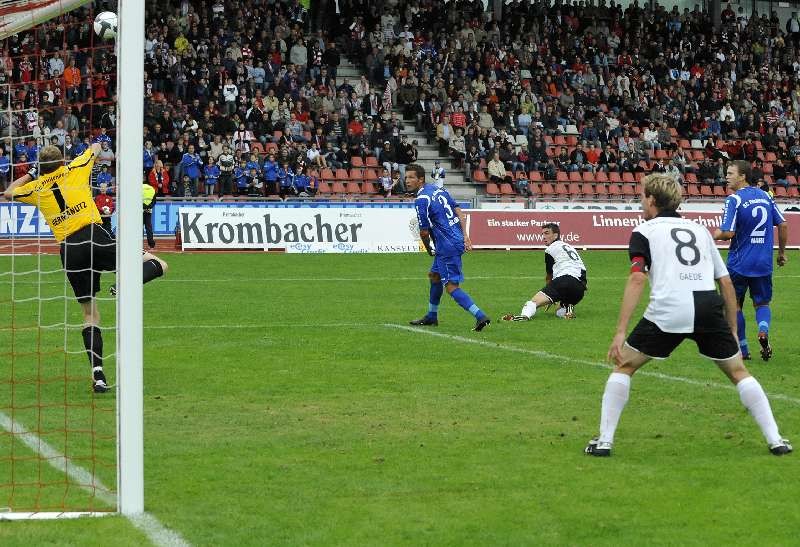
{"x": 156, "y": 532}
{"x": 175, "y": 279}
{"x": 548, "y": 355}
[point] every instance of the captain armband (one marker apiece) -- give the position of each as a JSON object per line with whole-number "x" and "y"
{"x": 638, "y": 264}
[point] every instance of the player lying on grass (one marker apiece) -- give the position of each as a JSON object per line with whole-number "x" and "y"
{"x": 442, "y": 222}
{"x": 63, "y": 195}
{"x": 681, "y": 262}
{"x": 566, "y": 278}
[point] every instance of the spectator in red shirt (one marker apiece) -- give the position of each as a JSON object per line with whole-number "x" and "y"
{"x": 105, "y": 204}
{"x": 458, "y": 119}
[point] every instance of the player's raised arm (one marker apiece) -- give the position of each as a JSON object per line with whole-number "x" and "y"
{"x": 32, "y": 174}
{"x": 9, "y": 192}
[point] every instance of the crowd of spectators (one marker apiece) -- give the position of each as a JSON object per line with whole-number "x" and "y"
{"x": 243, "y": 97}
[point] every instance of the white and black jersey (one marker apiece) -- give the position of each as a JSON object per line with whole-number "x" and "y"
{"x": 683, "y": 264}
{"x": 567, "y": 272}
{"x": 562, "y": 259}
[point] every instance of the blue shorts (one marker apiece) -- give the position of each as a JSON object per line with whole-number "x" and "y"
{"x": 448, "y": 268}
{"x": 760, "y": 288}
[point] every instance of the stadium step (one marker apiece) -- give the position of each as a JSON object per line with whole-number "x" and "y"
{"x": 428, "y": 152}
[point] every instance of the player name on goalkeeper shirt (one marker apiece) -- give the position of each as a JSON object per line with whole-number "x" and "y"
{"x": 334, "y": 230}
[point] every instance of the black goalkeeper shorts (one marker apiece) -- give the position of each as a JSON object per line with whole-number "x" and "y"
{"x": 86, "y": 253}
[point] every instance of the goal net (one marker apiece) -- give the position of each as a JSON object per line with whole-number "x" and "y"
{"x": 59, "y": 440}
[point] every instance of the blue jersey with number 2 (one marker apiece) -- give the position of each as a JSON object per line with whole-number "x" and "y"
{"x": 436, "y": 212}
{"x": 751, "y": 214}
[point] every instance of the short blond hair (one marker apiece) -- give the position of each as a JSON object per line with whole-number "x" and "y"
{"x": 666, "y": 190}
{"x": 50, "y": 159}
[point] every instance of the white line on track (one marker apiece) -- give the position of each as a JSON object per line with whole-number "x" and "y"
{"x": 548, "y": 355}
{"x": 156, "y": 532}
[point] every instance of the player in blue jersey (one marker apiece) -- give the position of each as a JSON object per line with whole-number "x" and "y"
{"x": 442, "y": 222}
{"x": 747, "y": 222}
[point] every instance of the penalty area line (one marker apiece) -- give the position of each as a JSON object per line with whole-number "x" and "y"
{"x": 156, "y": 532}
{"x": 564, "y": 358}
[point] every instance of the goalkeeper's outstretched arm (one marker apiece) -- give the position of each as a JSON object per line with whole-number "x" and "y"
{"x": 24, "y": 179}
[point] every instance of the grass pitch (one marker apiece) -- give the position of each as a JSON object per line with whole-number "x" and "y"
{"x": 287, "y": 404}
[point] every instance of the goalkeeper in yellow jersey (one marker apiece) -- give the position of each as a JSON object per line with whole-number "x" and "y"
{"x": 63, "y": 195}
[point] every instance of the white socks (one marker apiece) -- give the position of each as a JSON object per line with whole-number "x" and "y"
{"x": 614, "y": 399}
{"x": 529, "y": 309}
{"x": 755, "y": 400}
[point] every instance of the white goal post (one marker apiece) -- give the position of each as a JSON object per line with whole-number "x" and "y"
{"x": 130, "y": 120}
{"x": 129, "y": 499}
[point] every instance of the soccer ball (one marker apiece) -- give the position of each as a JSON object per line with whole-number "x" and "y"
{"x": 106, "y": 210}
{"x": 105, "y": 25}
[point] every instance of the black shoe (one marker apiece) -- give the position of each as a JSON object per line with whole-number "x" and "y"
{"x": 781, "y": 448}
{"x": 596, "y": 448}
{"x": 100, "y": 386}
{"x": 425, "y": 322}
{"x": 766, "y": 349}
{"x": 481, "y": 324}
{"x": 112, "y": 290}
{"x": 746, "y": 357}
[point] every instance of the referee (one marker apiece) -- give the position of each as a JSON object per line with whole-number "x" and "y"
{"x": 63, "y": 196}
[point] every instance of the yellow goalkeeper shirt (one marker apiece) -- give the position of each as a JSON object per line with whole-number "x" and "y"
{"x": 64, "y": 197}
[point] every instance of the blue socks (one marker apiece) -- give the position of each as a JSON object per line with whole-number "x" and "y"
{"x": 740, "y": 330}
{"x": 433, "y": 302}
{"x": 763, "y": 318}
{"x": 464, "y": 300}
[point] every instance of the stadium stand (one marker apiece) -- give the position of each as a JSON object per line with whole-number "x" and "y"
{"x": 584, "y": 97}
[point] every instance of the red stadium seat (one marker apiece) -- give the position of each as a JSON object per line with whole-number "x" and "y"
{"x": 324, "y": 187}
{"x": 706, "y": 191}
{"x": 574, "y": 176}
{"x": 562, "y": 176}
{"x": 614, "y": 190}
{"x": 492, "y": 189}
{"x": 326, "y": 174}
{"x": 629, "y": 190}
{"x": 356, "y": 175}
{"x": 628, "y": 177}
{"x": 601, "y": 190}
{"x": 338, "y": 188}
{"x": 535, "y": 176}
{"x": 356, "y": 161}
{"x": 353, "y": 188}
{"x": 562, "y": 190}
{"x": 614, "y": 176}
{"x": 780, "y": 191}
{"x": 372, "y": 161}
{"x": 479, "y": 176}
{"x": 507, "y": 190}
{"x": 587, "y": 176}
{"x": 601, "y": 176}
{"x": 546, "y": 189}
